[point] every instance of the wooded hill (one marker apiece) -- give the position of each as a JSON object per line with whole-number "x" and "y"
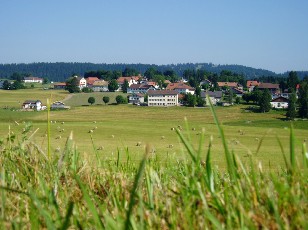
{"x": 60, "y": 71}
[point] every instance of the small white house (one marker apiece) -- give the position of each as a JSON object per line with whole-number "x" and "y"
{"x": 33, "y": 105}
{"x": 136, "y": 98}
{"x": 33, "y": 80}
{"x": 280, "y": 103}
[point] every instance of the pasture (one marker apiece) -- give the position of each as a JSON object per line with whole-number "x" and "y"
{"x": 106, "y": 130}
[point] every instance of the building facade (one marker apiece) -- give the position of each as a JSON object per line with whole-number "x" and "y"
{"x": 163, "y": 98}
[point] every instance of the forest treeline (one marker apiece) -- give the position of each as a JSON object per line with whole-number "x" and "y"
{"x": 60, "y": 71}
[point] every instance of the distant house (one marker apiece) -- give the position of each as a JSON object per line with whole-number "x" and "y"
{"x": 180, "y": 87}
{"x": 59, "y": 105}
{"x": 140, "y": 88}
{"x": 82, "y": 82}
{"x": 163, "y": 98}
{"x": 280, "y": 103}
{"x": 33, "y": 80}
{"x": 214, "y": 96}
{"x": 100, "y": 86}
{"x": 59, "y": 85}
{"x": 136, "y": 98}
{"x": 90, "y": 81}
{"x": 131, "y": 80}
{"x": 251, "y": 85}
{"x": 238, "y": 92}
{"x": 33, "y": 105}
{"x": 206, "y": 82}
{"x": 273, "y": 88}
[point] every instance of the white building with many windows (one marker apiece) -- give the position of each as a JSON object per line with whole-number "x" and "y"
{"x": 163, "y": 98}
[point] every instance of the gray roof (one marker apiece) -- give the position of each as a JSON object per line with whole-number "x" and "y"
{"x": 215, "y": 94}
{"x": 162, "y": 92}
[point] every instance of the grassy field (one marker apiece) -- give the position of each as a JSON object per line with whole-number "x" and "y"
{"x": 174, "y": 180}
{"x": 123, "y": 127}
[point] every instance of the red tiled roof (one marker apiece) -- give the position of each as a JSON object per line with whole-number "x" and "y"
{"x": 122, "y": 79}
{"x": 60, "y": 84}
{"x": 178, "y": 85}
{"x": 91, "y": 80}
{"x": 252, "y": 83}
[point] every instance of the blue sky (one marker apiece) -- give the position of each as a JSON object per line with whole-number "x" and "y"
{"x": 267, "y": 34}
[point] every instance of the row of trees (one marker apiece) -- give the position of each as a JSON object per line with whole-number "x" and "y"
{"x": 119, "y": 99}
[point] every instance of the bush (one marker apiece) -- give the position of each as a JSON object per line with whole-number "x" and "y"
{"x": 121, "y": 100}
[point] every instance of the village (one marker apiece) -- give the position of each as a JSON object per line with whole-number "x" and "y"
{"x": 147, "y": 92}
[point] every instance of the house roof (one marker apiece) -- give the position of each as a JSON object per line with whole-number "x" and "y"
{"x": 137, "y": 95}
{"x": 122, "y": 79}
{"x": 280, "y": 99}
{"x": 141, "y": 86}
{"x": 229, "y": 84}
{"x": 237, "y": 91}
{"x": 252, "y": 83}
{"x": 178, "y": 85}
{"x": 268, "y": 86}
{"x": 215, "y": 94}
{"x": 91, "y": 80}
{"x": 33, "y": 78}
{"x": 100, "y": 83}
{"x": 162, "y": 92}
{"x": 31, "y": 102}
{"x": 60, "y": 84}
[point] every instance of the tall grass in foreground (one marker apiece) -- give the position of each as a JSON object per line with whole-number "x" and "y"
{"x": 61, "y": 190}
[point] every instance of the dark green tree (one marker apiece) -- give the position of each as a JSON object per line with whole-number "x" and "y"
{"x": 291, "y": 111}
{"x": 121, "y": 100}
{"x": 72, "y": 85}
{"x": 87, "y": 90}
{"x": 200, "y": 102}
{"x": 265, "y": 101}
{"x": 292, "y": 80}
{"x": 230, "y": 96}
{"x": 113, "y": 85}
{"x": 125, "y": 86}
{"x": 303, "y": 100}
{"x": 106, "y": 99}
{"x": 246, "y": 97}
{"x": 191, "y": 100}
{"x": 7, "y": 85}
{"x": 129, "y": 72}
{"x": 256, "y": 96}
{"x": 91, "y": 100}
{"x": 198, "y": 91}
{"x": 17, "y": 85}
{"x": 45, "y": 80}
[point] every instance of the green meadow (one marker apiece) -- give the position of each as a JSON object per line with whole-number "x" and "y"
{"x": 109, "y": 129}
{"x": 133, "y": 167}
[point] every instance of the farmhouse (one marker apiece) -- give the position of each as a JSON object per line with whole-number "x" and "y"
{"x": 280, "y": 103}
{"x": 214, "y": 96}
{"x": 59, "y": 85}
{"x": 180, "y": 87}
{"x": 100, "y": 86}
{"x": 273, "y": 88}
{"x": 163, "y": 98}
{"x": 33, "y": 80}
{"x": 90, "y": 81}
{"x": 33, "y": 105}
{"x": 82, "y": 82}
{"x": 140, "y": 88}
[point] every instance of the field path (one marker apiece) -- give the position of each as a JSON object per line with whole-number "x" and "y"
{"x": 68, "y": 97}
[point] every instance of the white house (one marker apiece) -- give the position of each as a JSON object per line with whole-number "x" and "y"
{"x": 82, "y": 82}
{"x": 280, "y": 103}
{"x": 33, "y": 105}
{"x": 136, "y": 98}
{"x": 163, "y": 98}
{"x": 33, "y": 80}
{"x": 180, "y": 87}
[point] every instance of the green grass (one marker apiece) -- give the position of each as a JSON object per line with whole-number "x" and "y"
{"x": 145, "y": 190}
